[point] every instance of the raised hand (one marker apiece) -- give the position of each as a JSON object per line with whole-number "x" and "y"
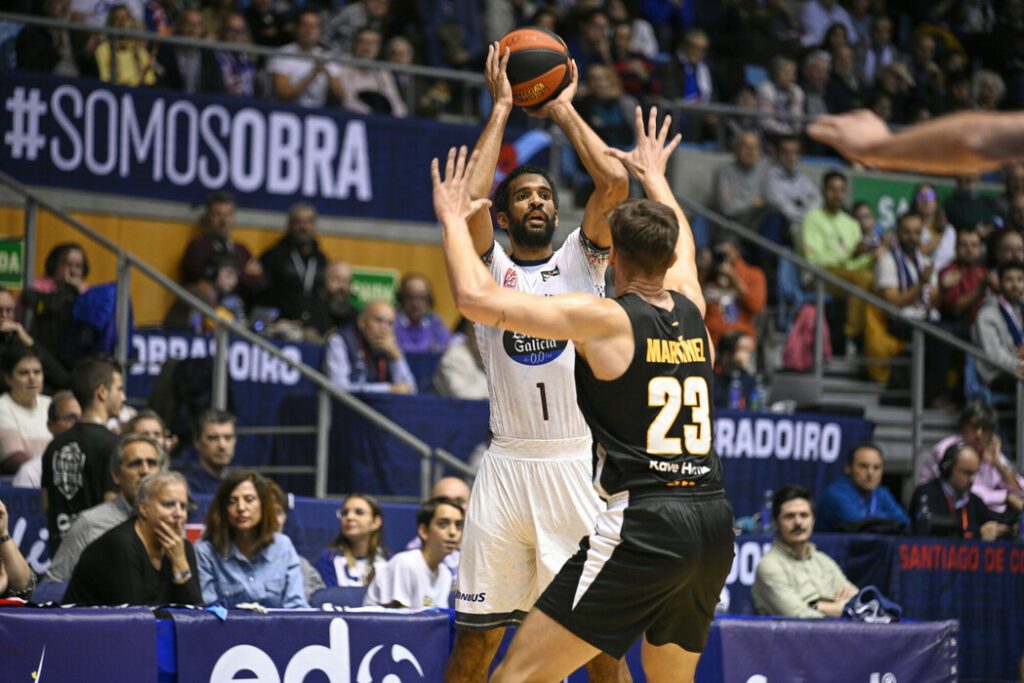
{"x": 172, "y": 543}
{"x": 495, "y": 72}
{"x": 452, "y": 198}
{"x": 563, "y": 99}
{"x": 651, "y": 153}
{"x": 853, "y": 135}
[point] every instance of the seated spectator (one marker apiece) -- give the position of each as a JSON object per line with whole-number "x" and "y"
{"x": 336, "y": 305}
{"x": 159, "y": 16}
{"x": 735, "y": 291}
{"x": 817, "y": 16}
{"x": 370, "y": 91}
{"x": 782, "y": 95}
{"x": 269, "y": 24}
{"x": 202, "y": 255}
{"x": 817, "y": 67}
{"x": 54, "y": 50}
{"x": 357, "y": 553}
{"x": 188, "y": 69}
{"x": 844, "y": 91}
{"x": 831, "y": 239}
{"x": 48, "y": 304}
{"x": 997, "y": 483}
{"x": 15, "y": 574}
{"x": 215, "y": 15}
{"x": 63, "y": 414}
{"x": 592, "y": 43}
{"x": 946, "y": 507}
{"x": 311, "y": 580}
{"x": 221, "y": 294}
{"x": 148, "y": 423}
{"x": 735, "y": 383}
{"x": 968, "y": 209}
{"x": 741, "y": 186}
{"x": 418, "y": 328}
{"x": 791, "y": 191}
{"x": 340, "y": 30}
{"x": 145, "y": 560}
{"x": 134, "y": 64}
{"x": 457, "y": 490}
{"x": 419, "y": 578}
{"x": 794, "y": 578}
{"x": 686, "y": 75}
{"x": 76, "y": 464}
{"x": 460, "y": 372}
{"x": 963, "y": 284}
{"x": 999, "y": 329}
{"x": 427, "y": 97}
{"x": 1013, "y": 219}
{"x": 938, "y": 238}
{"x": 236, "y": 73}
{"x": 302, "y": 81}
{"x": 137, "y": 456}
{"x": 877, "y": 51}
{"x": 215, "y": 442}
{"x": 858, "y": 501}
{"x": 643, "y": 41}
{"x": 241, "y": 557}
{"x": 1005, "y": 247}
{"x": 23, "y": 409}
{"x": 295, "y": 268}
{"x": 634, "y": 69}
{"x": 926, "y": 77}
{"x": 610, "y": 113}
{"x": 871, "y": 229}
{"x": 366, "y": 357}
{"x": 988, "y": 89}
{"x": 13, "y": 333}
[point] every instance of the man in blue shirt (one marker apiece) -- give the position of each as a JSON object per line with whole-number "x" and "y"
{"x": 858, "y": 501}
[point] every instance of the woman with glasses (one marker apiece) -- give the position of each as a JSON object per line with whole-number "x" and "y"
{"x": 357, "y": 553}
{"x": 146, "y": 560}
{"x": 242, "y": 557}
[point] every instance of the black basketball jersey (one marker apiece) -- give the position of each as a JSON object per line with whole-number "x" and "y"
{"x": 653, "y": 426}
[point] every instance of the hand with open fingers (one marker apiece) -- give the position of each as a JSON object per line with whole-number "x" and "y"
{"x": 853, "y": 135}
{"x": 651, "y": 153}
{"x": 452, "y": 200}
{"x": 172, "y": 542}
{"x": 563, "y": 98}
{"x": 496, "y": 74}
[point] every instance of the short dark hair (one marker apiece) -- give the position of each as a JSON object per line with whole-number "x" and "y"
{"x": 501, "y": 194}
{"x": 787, "y": 493}
{"x": 425, "y": 515}
{"x": 213, "y": 416}
{"x": 1010, "y": 265}
{"x": 645, "y": 232}
{"x": 14, "y": 354}
{"x": 861, "y": 446}
{"x": 219, "y": 197}
{"x": 728, "y": 342}
{"x": 89, "y": 374}
{"x": 910, "y": 213}
{"x": 834, "y": 174}
{"x": 144, "y": 414}
{"x": 218, "y": 529}
{"x": 980, "y": 412}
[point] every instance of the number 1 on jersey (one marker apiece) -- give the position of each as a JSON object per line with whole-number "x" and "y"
{"x": 543, "y": 400}
{"x": 667, "y": 393}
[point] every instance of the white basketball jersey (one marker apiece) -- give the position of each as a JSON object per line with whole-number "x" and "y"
{"x": 531, "y": 382}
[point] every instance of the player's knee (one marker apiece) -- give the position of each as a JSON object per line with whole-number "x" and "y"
{"x": 606, "y": 669}
{"x": 472, "y": 655}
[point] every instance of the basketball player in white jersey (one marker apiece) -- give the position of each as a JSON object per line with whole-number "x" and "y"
{"x": 532, "y": 499}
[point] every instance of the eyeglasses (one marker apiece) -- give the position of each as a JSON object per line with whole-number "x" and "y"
{"x": 926, "y": 195}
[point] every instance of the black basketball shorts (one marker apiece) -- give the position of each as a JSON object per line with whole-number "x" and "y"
{"x": 655, "y": 565}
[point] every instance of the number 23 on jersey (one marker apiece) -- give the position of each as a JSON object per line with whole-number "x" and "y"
{"x": 668, "y": 394}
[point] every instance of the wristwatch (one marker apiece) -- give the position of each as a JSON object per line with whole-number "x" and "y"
{"x": 182, "y": 576}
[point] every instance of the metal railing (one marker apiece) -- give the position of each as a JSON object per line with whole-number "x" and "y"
{"x": 431, "y": 459}
{"x": 921, "y": 328}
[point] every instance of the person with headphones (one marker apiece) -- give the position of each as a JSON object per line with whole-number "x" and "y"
{"x": 417, "y": 328}
{"x": 948, "y": 502}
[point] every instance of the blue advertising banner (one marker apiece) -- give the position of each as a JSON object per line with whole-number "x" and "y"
{"x": 763, "y": 651}
{"x": 288, "y": 646}
{"x": 146, "y": 142}
{"x": 77, "y": 644}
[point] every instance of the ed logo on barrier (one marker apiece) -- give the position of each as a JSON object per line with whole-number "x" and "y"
{"x": 333, "y": 660}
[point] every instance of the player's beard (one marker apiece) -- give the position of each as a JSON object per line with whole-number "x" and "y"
{"x": 526, "y": 237}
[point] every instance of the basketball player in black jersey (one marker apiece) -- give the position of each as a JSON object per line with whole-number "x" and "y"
{"x": 660, "y": 554}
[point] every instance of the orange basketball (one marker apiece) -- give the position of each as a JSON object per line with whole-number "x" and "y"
{"x": 538, "y": 66}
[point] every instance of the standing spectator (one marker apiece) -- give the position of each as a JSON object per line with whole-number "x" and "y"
{"x": 418, "y": 328}
{"x": 365, "y": 357}
{"x": 76, "y": 464}
{"x": 134, "y": 62}
{"x": 419, "y": 578}
{"x": 794, "y": 578}
{"x": 336, "y": 305}
{"x": 938, "y": 238}
{"x": 741, "y": 187}
{"x": 877, "y": 51}
{"x": 952, "y": 508}
{"x": 295, "y": 267}
{"x": 146, "y": 560}
{"x": 817, "y": 16}
{"x": 968, "y": 209}
{"x": 15, "y": 574}
{"x": 188, "y": 69}
{"x": 23, "y": 409}
{"x": 136, "y": 456}
{"x": 236, "y": 71}
{"x": 858, "y": 501}
{"x": 215, "y": 443}
{"x": 54, "y": 50}
{"x": 370, "y": 91}
{"x": 460, "y": 372}
{"x": 201, "y": 260}
{"x": 999, "y": 329}
{"x": 63, "y": 414}
{"x": 782, "y": 95}
{"x": 268, "y": 22}
{"x": 843, "y": 92}
{"x": 357, "y": 552}
{"x": 300, "y": 72}
{"x": 735, "y": 291}
{"x": 340, "y": 31}
{"x": 790, "y": 191}
{"x": 311, "y": 581}
{"x": 241, "y": 557}
{"x": 963, "y": 284}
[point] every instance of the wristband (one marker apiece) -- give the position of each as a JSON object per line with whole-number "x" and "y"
{"x": 5, "y": 538}
{"x": 182, "y": 576}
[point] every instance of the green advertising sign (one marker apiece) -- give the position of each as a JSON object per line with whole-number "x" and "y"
{"x": 890, "y": 197}
{"x": 369, "y": 284}
{"x": 12, "y": 261}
